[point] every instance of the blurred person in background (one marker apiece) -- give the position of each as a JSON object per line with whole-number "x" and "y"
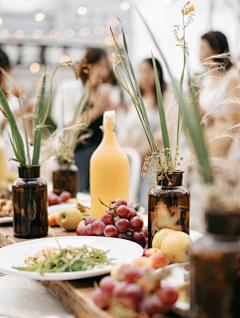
{"x": 220, "y": 110}
{"x": 133, "y": 134}
{"x": 105, "y": 95}
{"x": 219, "y": 98}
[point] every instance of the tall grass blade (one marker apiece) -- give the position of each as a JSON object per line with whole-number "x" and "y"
{"x": 190, "y": 117}
{"x": 16, "y": 136}
{"x": 39, "y": 123}
{"x": 25, "y": 131}
{"x": 162, "y": 116}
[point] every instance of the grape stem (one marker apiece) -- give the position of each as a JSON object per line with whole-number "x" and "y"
{"x": 104, "y": 203}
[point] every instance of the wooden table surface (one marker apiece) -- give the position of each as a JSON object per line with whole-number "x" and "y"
{"x": 74, "y": 295}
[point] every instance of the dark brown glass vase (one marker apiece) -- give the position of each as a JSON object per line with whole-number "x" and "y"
{"x": 65, "y": 178}
{"x": 215, "y": 268}
{"x": 29, "y": 198}
{"x": 168, "y": 205}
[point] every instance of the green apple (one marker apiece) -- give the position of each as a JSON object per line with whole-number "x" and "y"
{"x": 69, "y": 218}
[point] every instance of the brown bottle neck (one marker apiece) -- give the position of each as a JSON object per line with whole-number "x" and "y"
{"x": 171, "y": 179}
{"x": 29, "y": 172}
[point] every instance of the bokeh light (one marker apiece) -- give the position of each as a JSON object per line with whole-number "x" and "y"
{"x": 108, "y": 31}
{"x": 82, "y": 10}
{"x": 19, "y": 34}
{"x": 84, "y": 32}
{"x": 113, "y": 22}
{"x": 120, "y": 38}
{"x": 37, "y": 34}
{"x": 109, "y": 41}
{"x": 1, "y": 21}
{"x": 53, "y": 34}
{"x": 125, "y": 6}
{"x": 64, "y": 59}
{"x": 39, "y": 16}
{"x": 69, "y": 33}
{"x": 34, "y": 67}
{"x": 167, "y": 1}
{"x": 99, "y": 29}
{"x": 4, "y": 33}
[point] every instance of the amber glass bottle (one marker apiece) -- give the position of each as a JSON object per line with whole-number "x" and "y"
{"x": 65, "y": 178}
{"x": 29, "y": 198}
{"x": 215, "y": 268}
{"x": 168, "y": 205}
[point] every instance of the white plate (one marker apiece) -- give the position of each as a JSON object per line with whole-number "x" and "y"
{"x": 59, "y": 207}
{"x": 123, "y": 251}
{"x": 84, "y": 199}
{"x": 6, "y": 219}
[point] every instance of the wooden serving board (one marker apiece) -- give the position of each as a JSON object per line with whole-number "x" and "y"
{"x": 75, "y": 295}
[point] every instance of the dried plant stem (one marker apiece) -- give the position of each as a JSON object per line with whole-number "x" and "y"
{"x": 25, "y": 131}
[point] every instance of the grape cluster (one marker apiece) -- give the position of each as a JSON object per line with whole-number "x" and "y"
{"x": 137, "y": 290}
{"x": 120, "y": 220}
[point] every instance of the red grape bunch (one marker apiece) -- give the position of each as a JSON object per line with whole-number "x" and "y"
{"x": 119, "y": 220}
{"x": 137, "y": 290}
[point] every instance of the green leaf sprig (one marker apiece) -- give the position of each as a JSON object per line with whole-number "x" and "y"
{"x": 70, "y": 260}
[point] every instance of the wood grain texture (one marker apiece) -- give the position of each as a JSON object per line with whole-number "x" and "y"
{"x": 74, "y": 295}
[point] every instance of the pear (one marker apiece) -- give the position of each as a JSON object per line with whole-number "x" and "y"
{"x": 69, "y": 218}
{"x": 176, "y": 246}
{"x": 159, "y": 237}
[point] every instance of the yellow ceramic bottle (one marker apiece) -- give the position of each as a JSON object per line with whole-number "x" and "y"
{"x": 109, "y": 169}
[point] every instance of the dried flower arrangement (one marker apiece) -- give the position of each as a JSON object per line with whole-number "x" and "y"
{"x": 21, "y": 144}
{"x": 162, "y": 162}
{"x": 21, "y": 151}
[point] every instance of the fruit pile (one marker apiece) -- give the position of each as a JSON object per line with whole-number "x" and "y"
{"x": 134, "y": 290}
{"x": 54, "y": 199}
{"x": 119, "y": 220}
{"x": 152, "y": 257}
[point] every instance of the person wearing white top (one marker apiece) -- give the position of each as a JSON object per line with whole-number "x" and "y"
{"x": 219, "y": 97}
{"x": 105, "y": 95}
{"x": 219, "y": 108}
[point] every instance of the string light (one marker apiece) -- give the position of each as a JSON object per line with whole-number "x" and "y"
{"x": 4, "y": 33}
{"x": 107, "y": 30}
{"x": 34, "y": 67}
{"x": 109, "y": 41}
{"x": 39, "y": 16}
{"x": 53, "y": 34}
{"x": 64, "y": 59}
{"x": 69, "y": 33}
{"x": 84, "y": 32}
{"x": 113, "y": 22}
{"x": 99, "y": 29}
{"x": 120, "y": 38}
{"x": 125, "y": 6}
{"x": 82, "y": 10}
{"x": 19, "y": 34}
{"x": 37, "y": 34}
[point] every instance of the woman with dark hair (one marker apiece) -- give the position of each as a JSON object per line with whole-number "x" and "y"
{"x": 219, "y": 98}
{"x": 105, "y": 95}
{"x": 133, "y": 134}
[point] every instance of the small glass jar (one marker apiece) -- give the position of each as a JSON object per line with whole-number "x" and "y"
{"x": 65, "y": 178}
{"x": 30, "y": 207}
{"x": 168, "y": 205}
{"x": 215, "y": 268}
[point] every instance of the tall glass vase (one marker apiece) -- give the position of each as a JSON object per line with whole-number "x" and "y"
{"x": 168, "y": 205}
{"x": 30, "y": 208}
